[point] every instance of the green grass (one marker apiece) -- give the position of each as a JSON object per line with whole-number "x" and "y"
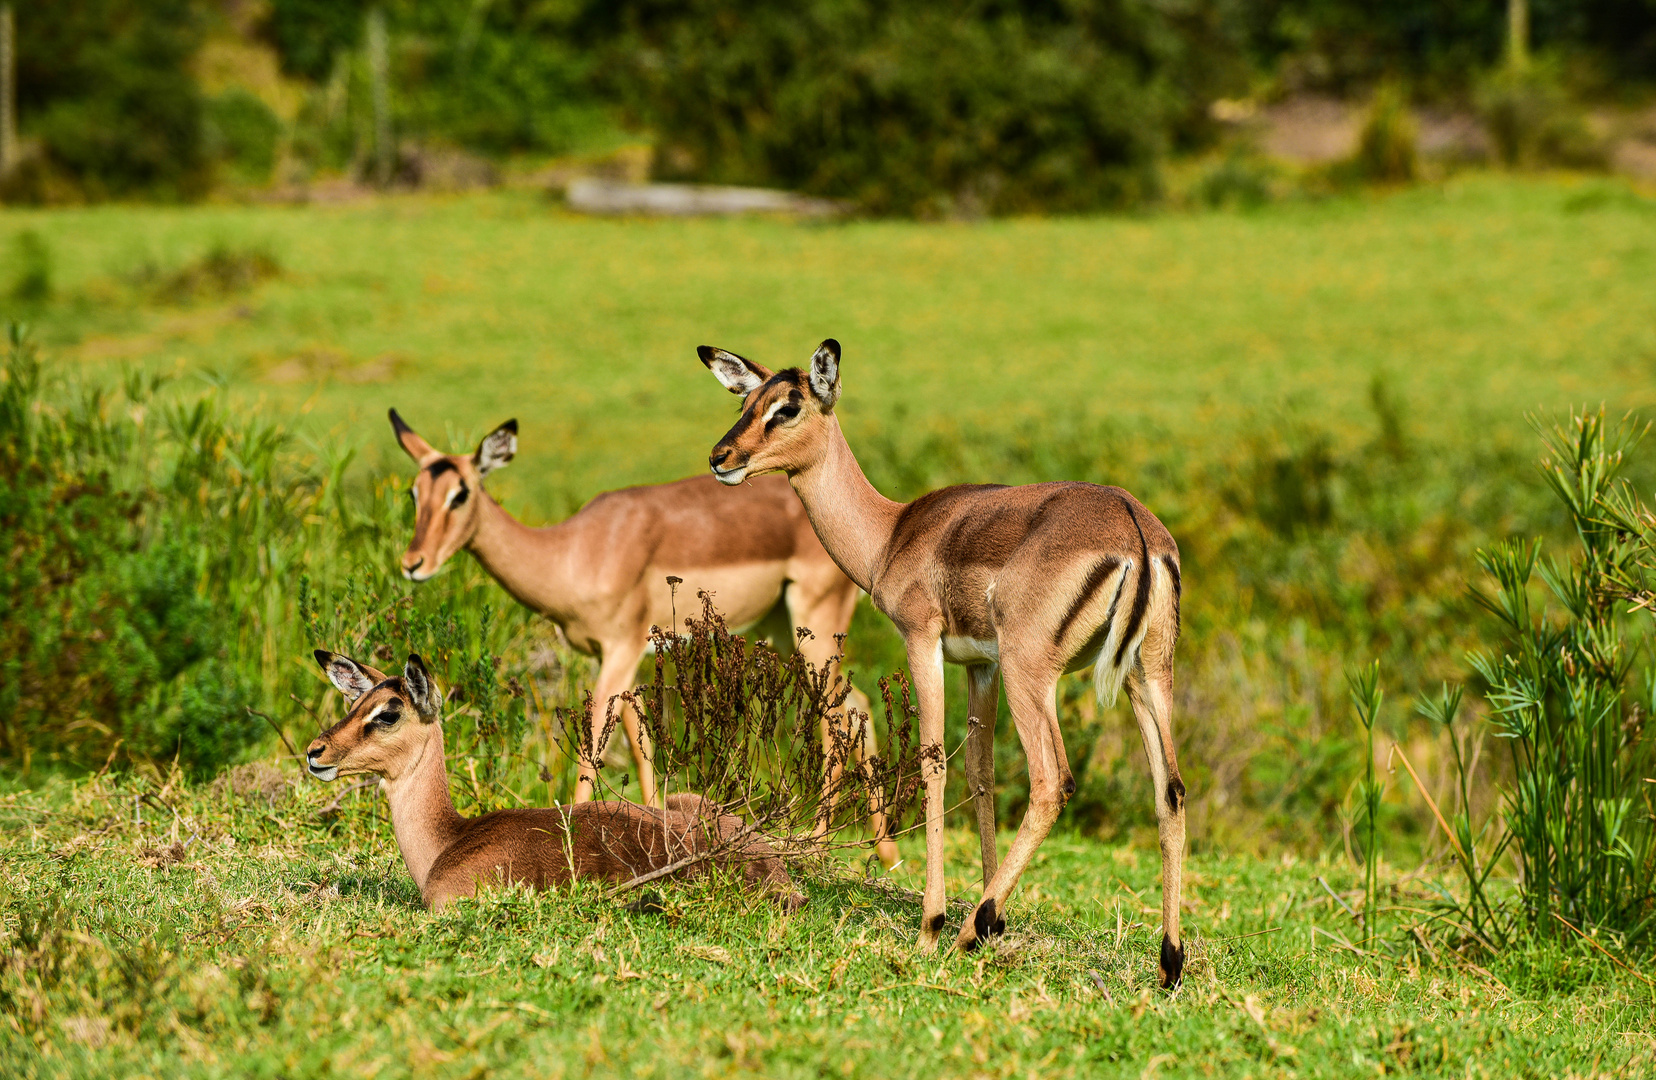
{"x": 1481, "y": 298}
{"x": 281, "y": 943}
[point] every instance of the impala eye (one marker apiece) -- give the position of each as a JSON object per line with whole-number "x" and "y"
{"x": 459, "y": 496}
{"x": 781, "y": 415}
{"x": 386, "y": 715}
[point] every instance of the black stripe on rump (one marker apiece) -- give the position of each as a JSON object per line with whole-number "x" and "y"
{"x": 1172, "y": 565}
{"x": 1141, "y": 594}
{"x": 1100, "y": 573}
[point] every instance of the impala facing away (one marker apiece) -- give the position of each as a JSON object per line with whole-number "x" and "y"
{"x": 393, "y": 729}
{"x": 1021, "y": 583}
{"x": 602, "y": 574}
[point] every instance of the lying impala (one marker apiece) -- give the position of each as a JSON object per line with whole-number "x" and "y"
{"x": 1021, "y": 583}
{"x": 393, "y": 730}
{"x": 602, "y": 574}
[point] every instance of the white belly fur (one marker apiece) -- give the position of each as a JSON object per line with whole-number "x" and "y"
{"x": 965, "y": 650}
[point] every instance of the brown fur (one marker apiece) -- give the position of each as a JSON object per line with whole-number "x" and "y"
{"x": 451, "y": 856}
{"x": 602, "y": 574}
{"x": 1017, "y": 583}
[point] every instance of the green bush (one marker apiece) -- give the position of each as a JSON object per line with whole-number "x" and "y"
{"x": 106, "y": 86}
{"x": 31, "y": 268}
{"x": 241, "y": 134}
{"x": 168, "y": 562}
{"x": 1386, "y": 148}
{"x": 1532, "y": 120}
{"x": 922, "y": 108}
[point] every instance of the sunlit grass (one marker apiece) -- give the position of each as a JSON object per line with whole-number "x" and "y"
{"x": 278, "y": 942}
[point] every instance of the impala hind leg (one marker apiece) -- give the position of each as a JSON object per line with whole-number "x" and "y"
{"x": 1152, "y": 698}
{"x": 982, "y": 703}
{"x": 614, "y": 677}
{"x": 1031, "y": 697}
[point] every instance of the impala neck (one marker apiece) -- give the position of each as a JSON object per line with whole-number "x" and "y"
{"x": 852, "y": 520}
{"x": 516, "y": 556}
{"x": 422, "y": 813}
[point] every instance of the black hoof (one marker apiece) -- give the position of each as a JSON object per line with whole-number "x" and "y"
{"x": 1172, "y": 964}
{"x": 937, "y": 923}
{"x": 648, "y": 904}
{"x": 985, "y": 922}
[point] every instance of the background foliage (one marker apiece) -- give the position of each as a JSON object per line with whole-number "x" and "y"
{"x": 914, "y": 108}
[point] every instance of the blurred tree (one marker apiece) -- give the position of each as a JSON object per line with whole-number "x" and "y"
{"x": 107, "y": 88}
{"x": 926, "y": 106}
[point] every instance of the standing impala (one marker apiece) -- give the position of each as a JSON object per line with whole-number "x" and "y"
{"x": 1021, "y": 583}
{"x": 602, "y": 574}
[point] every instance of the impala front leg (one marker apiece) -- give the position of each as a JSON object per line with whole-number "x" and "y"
{"x": 614, "y": 673}
{"x": 926, "y": 668}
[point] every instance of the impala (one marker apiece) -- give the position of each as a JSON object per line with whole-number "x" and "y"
{"x": 601, "y": 576}
{"x": 1019, "y": 584}
{"x": 393, "y": 729}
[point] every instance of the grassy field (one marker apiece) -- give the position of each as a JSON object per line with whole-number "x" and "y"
{"x": 1325, "y": 401}
{"x": 252, "y": 935}
{"x": 1479, "y": 299}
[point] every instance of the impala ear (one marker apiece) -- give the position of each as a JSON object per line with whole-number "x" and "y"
{"x": 738, "y": 374}
{"x": 414, "y": 446}
{"x": 497, "y": 448}
{"x": 825, "y": 383}
{"x": 422, "y": 688}
{"x": 349, "y": 677}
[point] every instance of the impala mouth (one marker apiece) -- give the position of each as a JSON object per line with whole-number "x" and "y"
{"x": 322, "y": 772}
{"x": 731, "y": 477}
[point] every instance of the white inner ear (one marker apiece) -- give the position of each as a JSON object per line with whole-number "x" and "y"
{"x": 825, "y": 377}
{"x": 347, "y": 678}
{"x": 736, "y": 376}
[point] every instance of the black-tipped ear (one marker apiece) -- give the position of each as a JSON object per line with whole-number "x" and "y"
{"x": 422, "y": 688}
{"x": 497, "y": 448}
{"x": 825, "y": 381}
{"x": 349, "y": 677}
{"x": 414, "y": 446}
{"x": 737, "y": 374}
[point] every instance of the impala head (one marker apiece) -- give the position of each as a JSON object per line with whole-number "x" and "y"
{"x": 445, "y": 503}
{"x": 387, "y": 719}
{"x": 785, "y": 414}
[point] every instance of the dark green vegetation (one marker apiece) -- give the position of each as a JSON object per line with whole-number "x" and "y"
{"x": 251, "y": 927}
{"x": 924, "y": 107}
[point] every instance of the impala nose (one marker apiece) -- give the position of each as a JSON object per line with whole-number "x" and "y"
{"x": 412, "y": 562}
{"x": 718, "y": 457}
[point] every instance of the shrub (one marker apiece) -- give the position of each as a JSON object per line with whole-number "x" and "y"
{"x": 32, "y": 279}
{"x": 241, "y": 134}
{"x": 1532, "y": 121}
{"x": 919, "y": 108}
{"x": 1386, "y": 148}
{"x": 106, "y": 86}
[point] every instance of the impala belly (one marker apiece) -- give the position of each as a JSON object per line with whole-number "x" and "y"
{"x": 969, "y": 650}
{"x": 743, "y": 593}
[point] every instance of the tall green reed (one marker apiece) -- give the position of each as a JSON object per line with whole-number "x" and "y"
{"x": 1366, "y": 696}
{"x": 1578, "y": 810}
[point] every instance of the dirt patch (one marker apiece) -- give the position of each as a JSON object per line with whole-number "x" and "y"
{"x": 312, "y": 365}
{"x": 259, "y": 780}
